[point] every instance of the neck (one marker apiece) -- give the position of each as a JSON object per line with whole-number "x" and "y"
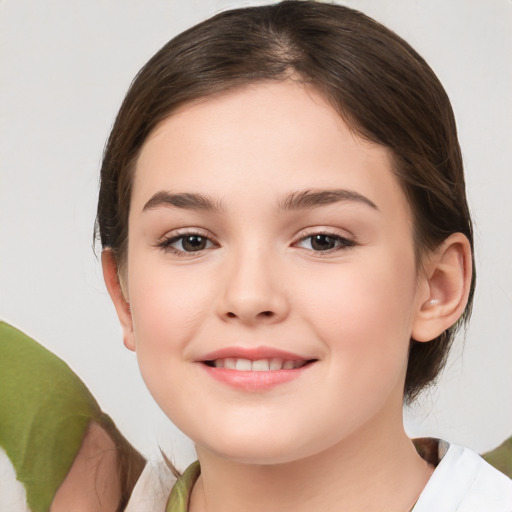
{"x": 375, "y": 469}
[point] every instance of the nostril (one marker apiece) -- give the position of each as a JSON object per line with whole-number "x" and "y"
{"x": 260, "y": 315}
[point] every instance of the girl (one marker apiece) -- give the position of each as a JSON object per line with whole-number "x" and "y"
{"x": 288, "y": 246}
{"x": 289, "y": 249}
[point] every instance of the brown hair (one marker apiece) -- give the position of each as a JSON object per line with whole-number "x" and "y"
{"x": 129, "y": 461}
{"x": 382, "y": 88}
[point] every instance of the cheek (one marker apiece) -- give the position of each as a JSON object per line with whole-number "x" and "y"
{"x": 166, "y": 313}
{"x": 168, "y": 308}
{"x": 380, "y": 290}
{"x": 165, "y": 300}
{"x": 363, "y": 314}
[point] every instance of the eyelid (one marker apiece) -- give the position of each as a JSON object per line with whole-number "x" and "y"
{"x": 325, "y": 230}
{"x": 164, "y": 242}
{"x": 349, "y": 240}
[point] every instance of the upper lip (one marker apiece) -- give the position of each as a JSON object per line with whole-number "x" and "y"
{"x": 253, "y": 354}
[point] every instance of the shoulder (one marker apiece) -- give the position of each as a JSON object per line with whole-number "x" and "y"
{"x": 160, "y": 489}
{"x": 151, "y": 492}
{"x": 464, "y": 482}
{"x": 501, "y": 457}
{"x": 45, "y": 411}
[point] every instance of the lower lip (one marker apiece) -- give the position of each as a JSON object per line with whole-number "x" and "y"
{"x": 254, "y": 381}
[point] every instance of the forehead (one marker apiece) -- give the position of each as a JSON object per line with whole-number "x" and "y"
{"x": 281, "y": 135}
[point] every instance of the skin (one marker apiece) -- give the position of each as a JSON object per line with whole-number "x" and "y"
{"x": 92, "y": 484}
{"x": 323, "y": 439}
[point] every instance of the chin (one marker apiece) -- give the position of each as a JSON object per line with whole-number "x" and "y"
{"x": 257, "y": 457}
{"x": 262, "y": 450}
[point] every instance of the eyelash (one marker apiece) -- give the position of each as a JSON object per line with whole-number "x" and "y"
{"x": 343, "y": 243}
{"x": 166, "y": 243}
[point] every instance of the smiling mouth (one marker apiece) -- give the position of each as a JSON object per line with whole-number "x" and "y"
{"x": 258, "y": 365}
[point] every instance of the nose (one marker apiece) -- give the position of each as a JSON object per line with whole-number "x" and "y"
{"x": 253, "y": 293}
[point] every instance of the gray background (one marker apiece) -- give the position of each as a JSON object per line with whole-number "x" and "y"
{"x": 65, "y": 67}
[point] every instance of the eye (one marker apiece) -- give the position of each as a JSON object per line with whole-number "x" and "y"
{"x": 324, "y": 242}
{"x": 186, "y": 243}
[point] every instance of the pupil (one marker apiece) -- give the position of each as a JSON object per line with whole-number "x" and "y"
{"x": 194, "y": 243}
{"x": 322, "y": 242}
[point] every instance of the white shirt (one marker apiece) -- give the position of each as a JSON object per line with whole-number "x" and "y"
{"x": 464, "y": 482}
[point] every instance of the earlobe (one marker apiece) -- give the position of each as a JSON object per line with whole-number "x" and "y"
{"x": 448, "y": 276}
{"x": 118, "y": 296}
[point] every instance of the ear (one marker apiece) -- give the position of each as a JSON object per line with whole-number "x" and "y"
{"x": 118, "y": 296}
{"x": 447, "y": 275}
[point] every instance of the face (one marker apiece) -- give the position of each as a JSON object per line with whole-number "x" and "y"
{"x": 270, "y": 274}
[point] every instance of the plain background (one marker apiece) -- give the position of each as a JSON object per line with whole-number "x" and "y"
{"x": 65, "y": 67}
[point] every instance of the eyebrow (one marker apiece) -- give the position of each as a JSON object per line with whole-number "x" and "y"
{"x": 186, "y": 200}
{"x": 295, "y": 201}
{"x": 313, "y": 198}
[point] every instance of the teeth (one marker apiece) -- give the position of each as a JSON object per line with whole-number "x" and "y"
{"x": 244, "y": 365}
{"x": 260, "y": 365}
{"x": 229, "y": 363}
{"x": 276, "y": 364}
